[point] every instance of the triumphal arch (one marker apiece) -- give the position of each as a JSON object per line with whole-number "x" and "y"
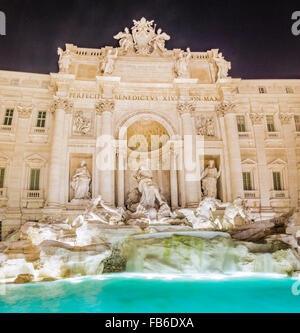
{"x": 85, "y": 131}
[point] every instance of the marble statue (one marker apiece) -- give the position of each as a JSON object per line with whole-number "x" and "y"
{"x": 64, "y": 60}
{"x": 222, "y": 65}
{"x": 81, "y": 183}
{"x": 203, "y": 219}
{"x": 233, "y": 209}
{"x": 151, "y": 204}
{"x": 81, "y": 124}
{"x": 108, "y": 64}
{"x": 125, "y": 40}
{"x": 209, "y": 178}
{"x": 159, "y": 41}
{"x": 182, "y": 64}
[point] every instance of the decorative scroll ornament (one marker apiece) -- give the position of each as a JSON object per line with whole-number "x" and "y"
{"x": 143, "y": 40}
{"x": 105, "y": 105}
{"x": 185, "y": 107}
{"x": 285, "y": 118}
{"x": 256, "y": 117}
{"x": 205, "y": 126}
{"x": 81, "y": 124}
{"x": 224, "y": 107}
{"x": 24, "y": 112}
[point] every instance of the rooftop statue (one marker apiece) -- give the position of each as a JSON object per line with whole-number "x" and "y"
{"x": 64, "y": 61}
{"x": 182, "y": 64}
{"x": 144, "y": 40}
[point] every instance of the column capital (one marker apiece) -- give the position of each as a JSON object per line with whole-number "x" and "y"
{"x": 286, "y": 117}
{"x": 24, "y": 111}
{"x": 62, "y": 103}
{"x": 105, "y": 105}
{"x": 256, "y": 117}
{"x": 185, "y": 108}
{"x": 224, "y": 108}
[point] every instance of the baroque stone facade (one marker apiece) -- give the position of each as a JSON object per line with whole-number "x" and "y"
{"x": 88, "y": 113}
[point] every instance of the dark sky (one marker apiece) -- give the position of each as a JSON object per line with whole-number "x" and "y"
{"x": 254, "y": 35}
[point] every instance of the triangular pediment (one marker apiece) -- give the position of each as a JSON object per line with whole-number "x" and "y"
{"x": 36, "y": 159}
{"x": 249, "y": 161}
{"x": 277, "y": 162}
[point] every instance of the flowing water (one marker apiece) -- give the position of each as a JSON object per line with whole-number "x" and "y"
{"x": 148, "y": 293}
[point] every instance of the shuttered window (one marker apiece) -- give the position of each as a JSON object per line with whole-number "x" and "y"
{"x": 35, "y": 180}
{"x": 247, "y": 181}
{"x": 270, "y": 123}
{"x": 41, "y": 119}
{"x": 277, "y": 181}
{"x": 9, "y": 114}
{"x": 241, "y": 124}
{"x": 2, "y": 175}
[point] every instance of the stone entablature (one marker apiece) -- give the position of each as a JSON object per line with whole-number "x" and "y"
{"x": 57, "y": 119}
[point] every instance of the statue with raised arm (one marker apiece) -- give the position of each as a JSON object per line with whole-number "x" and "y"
{"x": 125, "y": 40}
{"x": 222, "y": 65}
{"x": 182, "y": 64}
{"x": 210, "y": 178}
{"x": 233, "y": 209}
{"x": 108, "y": 64}
{"x": 81, "y": 183}
{"x": 64, "y": 61}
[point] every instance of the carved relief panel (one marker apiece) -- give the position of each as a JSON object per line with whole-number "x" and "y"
{"x": 82, "y": 123}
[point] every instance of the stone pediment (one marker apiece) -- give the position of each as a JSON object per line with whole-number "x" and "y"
{"x": 277, "y": 163}
{"x": 249, "y": 161}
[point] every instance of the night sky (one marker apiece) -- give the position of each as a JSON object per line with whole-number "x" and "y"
{"x": 254, "y": 35}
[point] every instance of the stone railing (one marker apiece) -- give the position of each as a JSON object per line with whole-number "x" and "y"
{"x": 33, "y": 194}
{"x": 199, "y": 55}
{"x": 39, "y": 130}
{"x": 273, "y": 135}
{"x": 251, "y": 194}
{"x": 5, "y": 128}
{"x": 279, "y": 194}
{"x": 244, "y": 135}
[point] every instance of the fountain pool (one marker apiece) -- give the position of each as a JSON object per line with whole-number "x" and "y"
{"x": 151, "y": 293}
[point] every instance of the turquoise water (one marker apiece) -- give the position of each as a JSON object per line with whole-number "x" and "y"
{"x": 130, "y": 293}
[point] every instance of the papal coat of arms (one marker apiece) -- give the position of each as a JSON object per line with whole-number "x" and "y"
{"x": 144, "y": 39}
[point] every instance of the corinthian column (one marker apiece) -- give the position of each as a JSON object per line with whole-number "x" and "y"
{"x": 192, "y": 177}
{"x": 226, "y": 110}
{"x": 290, "y": 145}
{"x": 106, "y": 152}
{"x": 60, "y": 105}
{"x": 259, "y": 134}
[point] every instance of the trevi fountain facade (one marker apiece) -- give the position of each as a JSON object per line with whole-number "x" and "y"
{"x": 141, "y": 158}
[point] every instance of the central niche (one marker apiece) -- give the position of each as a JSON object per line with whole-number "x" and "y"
{"x": 146, "y": 135}
{"x": 146, "y": 140}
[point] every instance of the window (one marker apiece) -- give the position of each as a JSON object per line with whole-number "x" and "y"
{"x": 297, "y": 122}
{"x": 0, "y": 231}
{"x": 8, "y": 117}
{"x": 289, "y": 90}
{"x": 41, "y": 119}
{"x": 247, "y": 181}
{"x": 270, "y": 123}
{"x": 262, "y": 90}
{"x": 241, "y": 124}
{"x": 277, "y": 181}
{"x": 35, "y": 180}
{"x": 2, "y": 174}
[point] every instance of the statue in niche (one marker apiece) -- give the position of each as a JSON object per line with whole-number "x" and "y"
{"x": 182, "y": 64}
{"x": 108, "y": 64}
{"x": 159, "y": 41}
{"x": 151, "y": 204}
{"x": 64, "y": 61}
{"x": 222, "y": 65}
{"x": 81, "y": 183}
{"x": 82, "y": 124}
{"x": 209, "y": 178}
{"x": 125, "y": 40}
